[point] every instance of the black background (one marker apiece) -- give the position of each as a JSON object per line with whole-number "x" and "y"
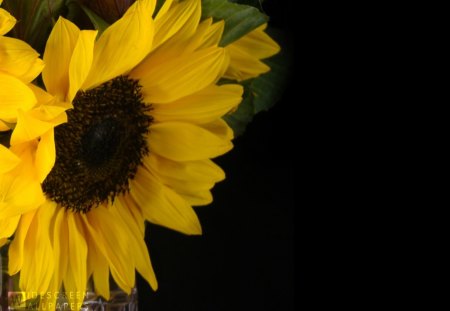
{"x": 245, "y": 258}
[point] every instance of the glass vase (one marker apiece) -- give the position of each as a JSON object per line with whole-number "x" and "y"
{"x": 13, "y": 299}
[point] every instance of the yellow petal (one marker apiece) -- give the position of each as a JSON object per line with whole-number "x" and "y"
{"x": 213, "y": 35}
{"x": 53, "y": 114}
{"x": 36, "y": 250}
{"x": 4, "y": 127}
{"x": 14, "y": 95}
{"x": 190, "y": 12}
{"x": 81, "y": 61}
{"x": 244, "y": 66}
{"x": 170, "y": 21}
{"x": 195, "y": 193}
{"x": 176, "y": 27}
{"x": 28, "y": 128}
{"x": 186, "y": 142}
{"x": 192, "y": 180}
{"x": 41, "y": 95}
{"x": 142, "y": 257}
{"x": 193, "y": 189}
{"x": 57, "y": 57}
{"x": 204, "y": 106}
{"x": 192, "y": 37}
{"x": 164, "y": 9}
{"x": 246, "y": 53}
{"x": 127, "y": 201}
{"x": 16, "y": 249}
{"x": 258, "y": 43}
{"x": 181, "y": 76}
{"x": 219, "y": 128}
{"x": 162, "y": 206}
{"x": 60, "y": 244}
{"x": 3, "y": 241}
{"x": 8, "y": 160}
{"x": 123, "y": 45}
{"x": 59, "y": 235}
{"x": 100, "y": 271}
{"x": 111, "y": 239}
{"x": 207, "y": 35}
{"x": 20, "y": 190}
{"x": 75, "y": 295}
{"x": 45, "y": 155}
{"x": 8, "y": 226}
{"x": 7, "y": 21}
{"x": 75, "y": 280}
{"x": 198, "y": 197}
{"x": 19, "y": 59}
{"x": 196, "y": 171}
{"x": 25, "y": 197}
{"x": 49, "y": 108}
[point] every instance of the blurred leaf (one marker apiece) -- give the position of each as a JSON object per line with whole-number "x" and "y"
{"x": 239, "y": 19}
{"x": 35, "y": 20}
{"x": 255, "y": 3}
{"x": 75, "y": 12}
{"x": 108, "y": 10}
{"x": 99, "y": 23}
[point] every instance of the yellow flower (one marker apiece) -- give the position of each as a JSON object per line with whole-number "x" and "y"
{"x": 247, "y": 52}
{"x": 30, "y": 157}
{"x": 7, "y": 21}
{"x": 137, "y": 145}
{"x": 19, "y": 65}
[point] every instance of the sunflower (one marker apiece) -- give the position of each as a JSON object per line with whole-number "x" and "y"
{"x": 137, "y": 145}
{"x": 145, "y": 120}
{"x": 23, "y": 166}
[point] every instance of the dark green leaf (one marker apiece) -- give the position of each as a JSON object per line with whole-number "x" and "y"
{"x": 239, "y": 119}
{"x": 263, "y": 92}
{"x": 99, "y": 23}
{"x": 268, "y": 88}
{"x": 239, "y": 19}
{"x": 255, "y": 3}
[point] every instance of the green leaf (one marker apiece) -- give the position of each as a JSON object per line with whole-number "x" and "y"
{"x": 99, "y": 23}
{"x": 255, "y": 3}
{"x": 35, "y": 20}
{"x": 239, "y": 19}
{"x": 263, "y": 92}
{"x": 268, "y": 88}
{"x": 239, "y": 119}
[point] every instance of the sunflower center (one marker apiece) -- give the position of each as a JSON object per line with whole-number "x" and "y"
{"x": 99, "y": 144}
{"x": 100, "y": 148}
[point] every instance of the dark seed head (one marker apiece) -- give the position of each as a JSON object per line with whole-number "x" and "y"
{"x": 100, "y": 142}
{"x": 101, "y": 146}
